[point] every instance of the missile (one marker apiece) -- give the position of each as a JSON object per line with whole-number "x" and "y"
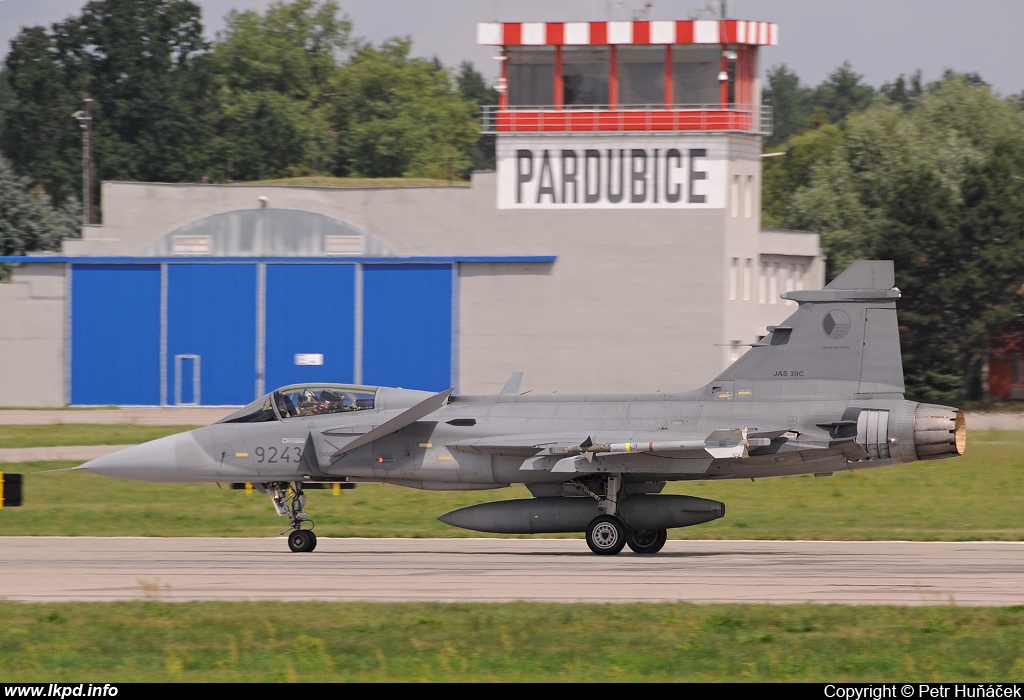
{"x": 721, "y": 444}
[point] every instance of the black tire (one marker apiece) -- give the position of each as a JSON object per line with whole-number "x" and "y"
{"x": 302, "y": 541}
{"x": 646, "y": 541}
{"x": 606, "y": 535}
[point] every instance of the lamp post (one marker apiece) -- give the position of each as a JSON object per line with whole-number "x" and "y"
{"x": 84, "y": 118}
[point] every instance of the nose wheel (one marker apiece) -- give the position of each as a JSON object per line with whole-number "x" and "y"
{"x": 302, "y": 540}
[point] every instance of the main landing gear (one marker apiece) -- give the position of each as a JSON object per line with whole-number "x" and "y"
{"x": 289, "y": 500}
{"x": 607, "y": 534}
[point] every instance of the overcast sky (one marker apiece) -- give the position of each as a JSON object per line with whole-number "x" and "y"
{"x": 880, "y": 38}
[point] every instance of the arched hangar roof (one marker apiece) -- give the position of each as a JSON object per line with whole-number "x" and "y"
{"x": 268, "y": 233}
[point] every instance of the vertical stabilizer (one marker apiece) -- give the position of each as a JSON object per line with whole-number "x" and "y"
{"x": 844, "y": 338}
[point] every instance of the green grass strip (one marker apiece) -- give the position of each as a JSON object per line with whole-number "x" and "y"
{"x": 83, "y": 434}
{"x": 216, "y": 641}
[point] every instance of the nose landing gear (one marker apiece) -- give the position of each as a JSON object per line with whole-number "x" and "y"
{"x": 289, "y": 500}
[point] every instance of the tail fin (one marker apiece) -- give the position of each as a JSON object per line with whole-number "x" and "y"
{"x": 844, "y": 337}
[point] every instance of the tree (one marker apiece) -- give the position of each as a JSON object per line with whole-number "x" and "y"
{"x": 842, "y": 94}
{"x": 46, "y": 78}
{"x": 151, "y": 90}
{"x": 900, "y": 93}
{"x": 142, "y": 62}
{"x": 790, "y": 103}
{"x": 276, "y": 72}
{"x": 401, "y": 116}
{"x": 475, "y": 90}
{"x": 28, "y": 220}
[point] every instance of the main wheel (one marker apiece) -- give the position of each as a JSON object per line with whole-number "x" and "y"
{"x": 302, "y": 541}
{"x": 646, "y": 541}
{"x": 606, "y": 534}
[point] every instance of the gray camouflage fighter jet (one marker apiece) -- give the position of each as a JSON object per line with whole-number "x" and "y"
{"x": 822, "y": 392}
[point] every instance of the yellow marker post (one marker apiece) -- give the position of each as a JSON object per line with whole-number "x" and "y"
{"x": 248, "y": 489}
{"x": 336, "y": 490}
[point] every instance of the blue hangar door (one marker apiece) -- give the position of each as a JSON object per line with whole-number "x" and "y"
{"x": 211, "y": 333}
{"x": 115, "y": 334}
{"x": 231, "y": 332}
{"x": 407, "y": 325}
{"x": 310, "y": 324}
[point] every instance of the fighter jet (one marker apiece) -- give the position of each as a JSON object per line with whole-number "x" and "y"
{"x": 820, "y": 393}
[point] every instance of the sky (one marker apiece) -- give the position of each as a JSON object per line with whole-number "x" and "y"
{"x": 880, "y": 38}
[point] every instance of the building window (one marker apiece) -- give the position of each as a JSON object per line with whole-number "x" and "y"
{"x": 695, "y": 75}
{"x": 735, "y": 196}
{"x": 773, "y": 280}
{"x": 748, "y": 197}
{"x": 641, "y": 75}
{"x": 531, "y": 75}
{"x": 734, "y": 271}
{"x": 585, "y": 76}
{"x": 762, "y": 282}
{"x": 746, "y": 278}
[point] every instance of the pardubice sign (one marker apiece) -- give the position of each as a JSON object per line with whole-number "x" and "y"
{"x": 586, "y": 172}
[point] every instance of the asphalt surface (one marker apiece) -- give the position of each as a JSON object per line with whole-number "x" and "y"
{"x": 501, "y": 570}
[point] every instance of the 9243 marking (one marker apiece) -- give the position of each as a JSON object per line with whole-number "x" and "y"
{"x": 271, "y": 455}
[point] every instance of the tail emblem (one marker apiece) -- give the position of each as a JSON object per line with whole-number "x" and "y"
{"x": 836, "y": 324}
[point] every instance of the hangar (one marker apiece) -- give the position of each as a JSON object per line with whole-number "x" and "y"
{"x": 617, "y": 247}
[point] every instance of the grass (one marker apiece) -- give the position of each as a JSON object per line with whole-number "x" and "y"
{"x": 216, "y": 641}
{"x": 979, "y": 496}
{"x": 329, "y": 181}
{"x": 83, "y": 434}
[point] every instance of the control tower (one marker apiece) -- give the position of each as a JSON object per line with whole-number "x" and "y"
{"x": 619, "y": 114}
{"x": 661, "y": 121}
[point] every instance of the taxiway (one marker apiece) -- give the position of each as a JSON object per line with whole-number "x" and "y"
{"x": 501, "y": 570}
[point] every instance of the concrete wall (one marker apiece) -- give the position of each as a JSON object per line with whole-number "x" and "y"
{"x": 32, "y": 336}
{"x": 638, "y": 299}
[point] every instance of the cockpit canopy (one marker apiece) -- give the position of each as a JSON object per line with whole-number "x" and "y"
{"x": 303, "y": 400}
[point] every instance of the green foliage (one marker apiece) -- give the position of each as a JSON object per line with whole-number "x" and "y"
{"x": 293, "y": 49}
{"x": 842, "y": 94}
{"x": 797, "y": 108}
{"x": 903, "y": 92}
{"x": 401, "y": 116}
{"x": 274, "y": 73}
{"x": 28, "y": 220}
{"x": 790, "y": 104}
{"x": 474, "y": 89}
{"x": 39, "y": 136}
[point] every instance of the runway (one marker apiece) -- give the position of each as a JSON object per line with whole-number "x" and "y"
{"x": 501, "y": 570}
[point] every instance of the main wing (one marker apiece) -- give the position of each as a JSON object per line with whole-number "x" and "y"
{"x": 660, "y": 452}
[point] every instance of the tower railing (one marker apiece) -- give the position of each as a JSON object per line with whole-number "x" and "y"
{"x": 631, "y": 118}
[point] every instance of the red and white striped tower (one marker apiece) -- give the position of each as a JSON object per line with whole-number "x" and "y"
{"x": 623, "y": 114}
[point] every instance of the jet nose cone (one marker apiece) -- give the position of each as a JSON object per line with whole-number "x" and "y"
{"x": 151, "y": 461}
